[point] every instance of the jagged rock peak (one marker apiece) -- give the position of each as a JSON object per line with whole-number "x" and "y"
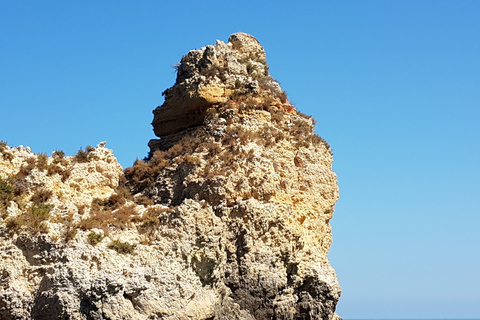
{"x": 242, "y": 55}
{"x": 235, "y": 71}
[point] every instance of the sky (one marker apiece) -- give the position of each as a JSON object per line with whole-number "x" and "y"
{"x": 394, "y": 86}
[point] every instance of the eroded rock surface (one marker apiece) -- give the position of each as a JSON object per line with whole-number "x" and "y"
{"x": 214, "y": 74}
{"x": 227, "y": 219}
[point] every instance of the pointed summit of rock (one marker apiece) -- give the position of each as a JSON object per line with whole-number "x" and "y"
{"x": 234, "y": 71}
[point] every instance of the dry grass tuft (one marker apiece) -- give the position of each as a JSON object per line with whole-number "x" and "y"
{"x": 121, "y": 247}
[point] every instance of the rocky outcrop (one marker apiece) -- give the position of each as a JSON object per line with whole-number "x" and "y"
{"x": 215, "y": 74}
{"x": 227, "y": 219}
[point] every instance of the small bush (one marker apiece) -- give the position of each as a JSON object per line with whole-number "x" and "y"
{"x": 58, "y": 154}
{"x": 277, "y": 116}
{"x": 54, "y": 169}
{"x": 123, "y": 191}
{"x": 144, "y": 200}
{"x": 268, "y": 101}
{"x": 14, "y": 224}
{"x": 148, "y": 223}
{"x": 40, "y": 212}
{"x": 82, "y": 155}
{"x": 123, "y": 216}
{"x": 141, "y": 174}
{"x": 3, "y": 144}
{"x": 301, "y": 128}
{"x": 213, "y": 71}
{"x": 6, "y": 192}
{"x": 112, "y": 203}
{"x": 7, "y": 156}
{"x": 41, "y": 196}
{"x": 238, "y": 83}
{"x": 94, "y": 238}
{"x": 102, "y": 215}
{"x": 28, "y": 167}
{"x": 34, "y": 219}
{"x": 89, "y": 223}
{"x": 20, "y": 188}
{"x": 251, "y": 68}
{"x": 42, "y": 161}
{"x": 121, "y": 247}
{"x": 70, "y": 233}
{"x": 149, "y": 218}
{"x": 251, "y": 103}
{"x": 283, "y": 97}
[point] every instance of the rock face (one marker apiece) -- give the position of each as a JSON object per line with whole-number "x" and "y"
{"x": 227, "y": 219}
{"x": 215, "y": 74}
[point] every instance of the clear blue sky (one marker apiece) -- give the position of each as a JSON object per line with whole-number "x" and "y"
{"x": 394, "y": 86}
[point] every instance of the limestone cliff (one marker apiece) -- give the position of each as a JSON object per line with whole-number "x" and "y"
{"x": 227, "y": 219}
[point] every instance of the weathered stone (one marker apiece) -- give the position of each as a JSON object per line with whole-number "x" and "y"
{"x": 240, "y": 193}
{"x": 210, "y": 76}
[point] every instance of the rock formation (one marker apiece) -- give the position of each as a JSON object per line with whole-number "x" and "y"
{"x": 228, "y": 218}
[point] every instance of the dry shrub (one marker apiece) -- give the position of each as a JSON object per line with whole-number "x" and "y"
{"x": 38, "y": 212}
{"x": 6, "y": 193}
{"x": 123, "y": 191}
{"x": 83, "y": 155}
{"x": 94, "y": 238}
{"x": 28, "y": 167}
{"x": 42, "y": 161}
{"x": 20, "y": 188}
{"x": 7, "y": 156}
{"x": 271, "y": 135}
{"x": 175, "y": 151}
{"x": 215, "y": 70}
{"x": 192, "y": 159}
{"x": 123, "y": 216}
{"x": 90, "y": 223}
{"x": 144, "y": 200}
{"x": 33, "y": 219}
{"x": 213, "y": 148}
{"x": 238, "y": 83}
{"x": 70, "y": 233}
{"x": 301, "y": 128}
{"x": 267, "y": 101}
{"x": 58, "y": 154}
{"x": 150, "y": 220}
{"x": 41, "y": 196}
{"x": 102, "y": 216}
{"x": 283, "y": 97}
{"x": 141, "y": 175}
{"x": 81, "y": 209}
{"x": 54, "y": 168}
{"x": 14, "y": 224}
{"x": 277, "y": 116}
{"x": 251, "y": 103}
{"x": 121, "y": 247}
{"x": 115, "y": 201}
